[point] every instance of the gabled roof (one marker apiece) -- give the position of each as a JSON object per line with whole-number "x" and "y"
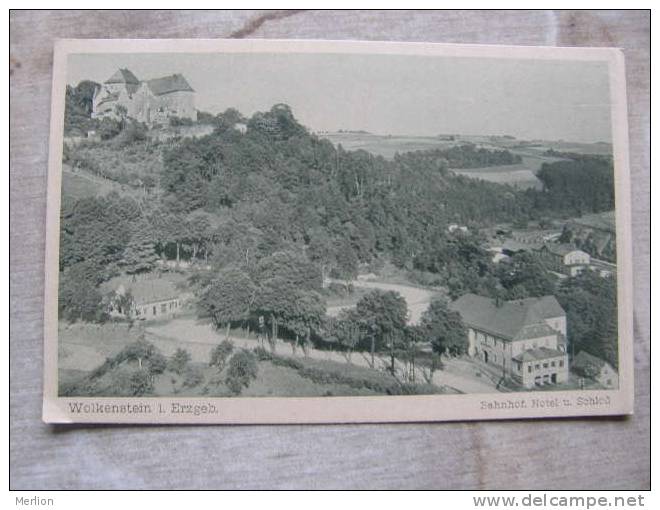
{"x": 538, "y": 354}
{"x": 513, "y": 246}
{"x": 560, "y": 249}
{"x": 602, "y": 221}
{"x": 123, "y": 76}
{"x": 529, "y": 332}
{"x": 168, "y": 84}
{"x": 145, "y": 291}
{"x": 512, "y": 320}
{"x": 584, "y": 359}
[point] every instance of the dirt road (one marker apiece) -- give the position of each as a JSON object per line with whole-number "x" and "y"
{"x": 418, "y": 299}
{"x": 199, "y": 339}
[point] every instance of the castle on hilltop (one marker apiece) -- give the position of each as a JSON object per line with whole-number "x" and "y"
{"x": 150, "y": 101}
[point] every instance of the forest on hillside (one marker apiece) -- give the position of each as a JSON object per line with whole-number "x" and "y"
{"x": 277, "y": 208}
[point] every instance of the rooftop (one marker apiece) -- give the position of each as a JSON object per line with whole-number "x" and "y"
{"x": 512, "y": 320}
{"x": 144, "y": 291}
{"x": 168, "y": 84}
{"x": 584, "y": 359}
{"x": 123, "y": 76}
{"x": 602, "y": 221}
{"x": 539, "y": 354}
{"x": 513, "y": 246}
{"x": 560, "y": 249}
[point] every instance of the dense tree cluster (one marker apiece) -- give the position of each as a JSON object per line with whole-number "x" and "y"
{"x": 269, "y": 210}
{"x": 580, "y": 185}
{"x": 78, "y": 108}
{"x": 468, "y": 155}
{"x": 591, "y": 314}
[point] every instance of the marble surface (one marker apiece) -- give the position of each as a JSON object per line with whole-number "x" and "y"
{"x": 598, "y": 453}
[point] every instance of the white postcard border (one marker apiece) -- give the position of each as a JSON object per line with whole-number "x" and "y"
{"x": 340, "y": 409}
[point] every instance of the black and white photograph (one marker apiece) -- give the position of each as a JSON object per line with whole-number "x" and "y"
{"x": 431, "y": 227}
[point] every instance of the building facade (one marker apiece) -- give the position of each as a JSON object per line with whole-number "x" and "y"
{"x": 524, "y": 338}
{"x": 597, "y": 369}
{"x": 146, "y": 299}
{"x": 565, "y": 259}
{"x": 151, "y": 101}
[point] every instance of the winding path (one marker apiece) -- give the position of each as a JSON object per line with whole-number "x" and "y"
{"x": 417, "y": 298}
{"x": 200, "y": 338}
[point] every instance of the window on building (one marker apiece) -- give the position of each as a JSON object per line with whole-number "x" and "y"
{"x": 561, "y": 363}
{"x": 552, "y": 363}
{"x": 545, "y": 365}
{"x": 529, "y": 369}
{"x": 537, "y": 366}
{"x": 154, "y": 310}
{"x": 609, "y": 382}
{"x": 163, "y": 308}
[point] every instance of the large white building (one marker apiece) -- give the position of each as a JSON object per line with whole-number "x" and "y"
{"x": 525, "y": 338}
{"x": 151, "y": 101}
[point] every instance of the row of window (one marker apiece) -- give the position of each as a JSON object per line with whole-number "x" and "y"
{"x": 164, "y": 308}
{"x": 537, "y": 366}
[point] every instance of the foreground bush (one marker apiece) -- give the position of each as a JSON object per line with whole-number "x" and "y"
{"x": 243, "y": 368}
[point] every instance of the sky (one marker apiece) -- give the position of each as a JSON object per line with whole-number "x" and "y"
{"x": 388, "y": 94}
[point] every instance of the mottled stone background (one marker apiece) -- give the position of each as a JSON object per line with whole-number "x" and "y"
{"x": 574, "y": 453}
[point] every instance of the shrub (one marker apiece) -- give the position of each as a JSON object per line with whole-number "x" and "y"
{"x": 141, "y": 382}
{"x": 193, "y": 377}
{"x": 263, "y": 354}
{"x": 242, "y": 370}
{"x": 220, "y": 354}
{"x": 157, "y": 363}
{"x": 179, "y": 361}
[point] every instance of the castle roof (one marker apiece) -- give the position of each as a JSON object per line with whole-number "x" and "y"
{"x": 123, "y": 76}
{"x": 512, "y": 320}
{"x": 169, "y": 84}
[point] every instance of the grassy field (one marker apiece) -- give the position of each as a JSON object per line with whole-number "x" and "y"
{"x": 386, "y": 146}
{"x": 280, "y": 377}
{"x": 85, "y": 346}
{"x": 519, "y": 176}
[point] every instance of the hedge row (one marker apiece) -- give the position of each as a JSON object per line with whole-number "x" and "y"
{"x": 331, "y": 374}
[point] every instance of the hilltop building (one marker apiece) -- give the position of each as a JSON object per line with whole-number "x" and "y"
{"x": 151, "y": 101}
{"x": 525, "y": 338}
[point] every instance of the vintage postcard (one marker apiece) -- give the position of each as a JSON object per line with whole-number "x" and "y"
{"x": 263, "y": 231}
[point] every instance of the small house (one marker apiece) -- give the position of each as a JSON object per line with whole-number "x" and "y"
{"x": 144, "y": 299}
{"x": 565, "y": 258}
{"x": 595, "y": 368}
